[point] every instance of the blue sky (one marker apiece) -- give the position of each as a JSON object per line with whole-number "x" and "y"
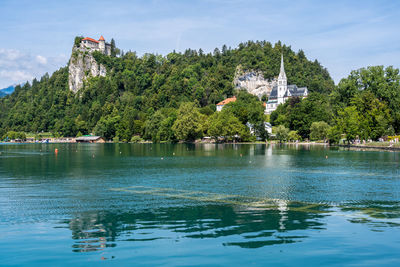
{"x": 37, "y": 36}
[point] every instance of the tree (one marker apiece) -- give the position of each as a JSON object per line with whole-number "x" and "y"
{"x": 11, "y": 135}
{"x": 81, "y": 125}
{"x": 383, "y": 84}
{"x": 334, "y": 135}
{"x": 152, "y": 126}
{"x": 293, "y": 136}
{"x": 374, "y": 116}
{"x": 188, "y": 125}
{"x": 348, "y": 121}
{"x": 260, "y": 131}
{"x": 165, "y": 131}
{"x": 319, "y": 130}
{"x": 282, "y": 133}
{"x": 105, "y": 127}
{"x": 264, "y": 98}
{"x": 114, "y": 50}
{"x": 77, "y": 41}
{"x": 247, "y": 108}
{"x": 225, "y": 124}
{"x": 298, "y": 114}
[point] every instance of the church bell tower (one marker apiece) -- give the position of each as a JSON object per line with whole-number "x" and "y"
{"x": 282, "y": 83}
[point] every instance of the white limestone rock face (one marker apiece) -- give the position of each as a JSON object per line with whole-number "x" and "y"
{"x": 253, "y": 82}
{"x": 82, "y": 65}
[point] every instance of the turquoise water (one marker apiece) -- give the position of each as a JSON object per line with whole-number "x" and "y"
{"x": 145, "y": 204}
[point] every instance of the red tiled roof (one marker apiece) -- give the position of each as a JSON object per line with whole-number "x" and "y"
{"x": 264, "y": 104}
{"x": 90, "y": 39}
{"x": 226, "y": 101}
{"x": 101, "y": 38}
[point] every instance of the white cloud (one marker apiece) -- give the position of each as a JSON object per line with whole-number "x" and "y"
{"x": 10, "y": 54}
{"x": 16, "y": 76}
{"x": 41, "y": 59}
{"x": 17, "y": 66}
{"x": 342, "y": 35}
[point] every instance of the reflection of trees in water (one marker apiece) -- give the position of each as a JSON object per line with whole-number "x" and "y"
{"x": 237, "y": 226}
{"x": 93, "y": 231}
{"x": 375, "y": 214}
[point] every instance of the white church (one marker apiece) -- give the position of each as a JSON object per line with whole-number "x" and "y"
{"x": 282, "y": 92}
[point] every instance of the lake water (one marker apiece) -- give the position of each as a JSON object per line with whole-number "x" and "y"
{"x": 203, "y": 204}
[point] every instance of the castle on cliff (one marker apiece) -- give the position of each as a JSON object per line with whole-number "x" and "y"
{"x": 95, "y": 45}
{"x": 282, "y": 92}
{"x": 83, "y": 65}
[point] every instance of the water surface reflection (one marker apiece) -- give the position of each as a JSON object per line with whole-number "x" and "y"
{"x": 206, "y": 204}
{"x": 231, "y": 225}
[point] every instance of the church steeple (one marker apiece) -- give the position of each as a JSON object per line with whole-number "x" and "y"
{"x": 282, "y": 74}
{"x": 282, "y": 83}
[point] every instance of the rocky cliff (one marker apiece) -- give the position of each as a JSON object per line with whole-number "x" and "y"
{"x": 253, "y": 82}
{"x": 82, "y": 65}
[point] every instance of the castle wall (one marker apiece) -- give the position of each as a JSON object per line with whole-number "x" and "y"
{"x": 102, "y": 46}
{"x": 90, "y": 45}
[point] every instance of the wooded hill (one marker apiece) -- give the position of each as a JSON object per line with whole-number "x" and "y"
{"x": 166, "y": 98}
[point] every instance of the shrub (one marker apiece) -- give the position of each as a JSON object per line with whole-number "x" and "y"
{"x": 136, "y": 139}
{"x": 282, "y": 133}
{"x": 334, "y": 135}
{"x": 294, "y": 136}
{"x": 319, "y": 130}
{"x": 78, "y": 40}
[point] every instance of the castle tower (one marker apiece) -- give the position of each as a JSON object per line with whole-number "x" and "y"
{"x": 282, "y": 83}
{"x": 102, "y": 44}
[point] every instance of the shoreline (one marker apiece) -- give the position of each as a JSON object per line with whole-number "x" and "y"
{"x": 386, "y": 148}
{"x": 355, "y": 147}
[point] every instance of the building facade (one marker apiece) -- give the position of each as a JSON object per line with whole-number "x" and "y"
{"x": 90, "y": 139}
{"x": 97, "y": 45}
{"x": 282, "y": 92}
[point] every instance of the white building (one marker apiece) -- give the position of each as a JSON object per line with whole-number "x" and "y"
{"x": 99, "y": 45}
{"x": 282, "y": 92}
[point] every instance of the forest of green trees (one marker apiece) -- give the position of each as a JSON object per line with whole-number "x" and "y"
{"x": 173, "y": 97}
{"x": 365, "y": 105}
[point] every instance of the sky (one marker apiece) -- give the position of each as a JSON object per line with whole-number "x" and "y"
{"x": 37, "y": 36}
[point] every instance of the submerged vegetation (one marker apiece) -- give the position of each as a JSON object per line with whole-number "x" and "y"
{"x": 173, "y": 97}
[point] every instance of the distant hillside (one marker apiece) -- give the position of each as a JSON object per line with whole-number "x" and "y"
{"x": 7, "y": 91}
{"x": 136, "y": 90}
